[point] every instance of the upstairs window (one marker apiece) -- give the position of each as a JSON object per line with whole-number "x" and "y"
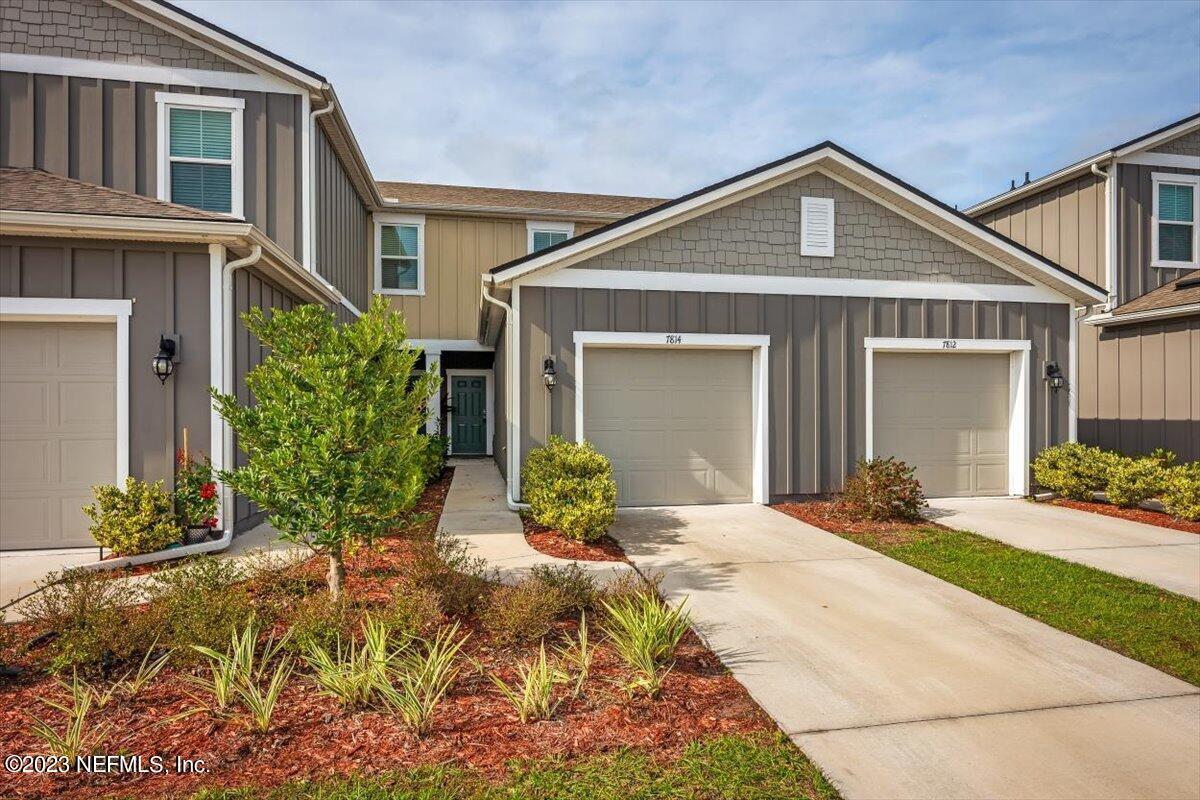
{"x": 1173, "y": 231}
{"x": 200, "y": 151}
{"x": 400, "y": 259}
{"x": 547, "y": 234}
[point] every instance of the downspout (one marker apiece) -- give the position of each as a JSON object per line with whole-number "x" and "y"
{"x": 311, "y": 222}
{"x": 1110, "y": 230}
{"x": 509, "y": 386}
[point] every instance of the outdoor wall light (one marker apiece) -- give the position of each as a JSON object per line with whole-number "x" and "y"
{"x": 163, "y": 363}
{"x": 1054, "y": 376}
{"x": 549, "y": 375}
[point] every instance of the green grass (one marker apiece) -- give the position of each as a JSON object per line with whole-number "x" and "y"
{"x": 733, "y": 767}
{"x": 1146, "y": 623}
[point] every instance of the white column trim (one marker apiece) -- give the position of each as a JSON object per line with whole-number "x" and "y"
{"x": 433, "y": 411}
{"x": 216, "y": 372}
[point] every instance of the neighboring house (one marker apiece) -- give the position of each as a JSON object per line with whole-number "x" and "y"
{"x": 1126, "y": 219}
{"x": 752, "y": 339}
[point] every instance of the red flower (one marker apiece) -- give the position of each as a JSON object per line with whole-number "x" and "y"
{"x": 208, "y": 491}
{"x": 211, "y": 522}
{"x": 180, "y": 456}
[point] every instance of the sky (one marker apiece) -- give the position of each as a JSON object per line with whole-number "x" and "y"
{"x": 657, "y": 99}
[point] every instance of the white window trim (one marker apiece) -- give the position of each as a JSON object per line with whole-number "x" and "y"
{"x": 165, "y": 101}
{"x": 489, "y": 402}
{"x": 758, "y": 344}
{"x": 1177, "y": 179}
{"x": 45, "y": 309}
{"x": 400, "y": 219}
{"x": 1018, "y": 391}
{"x": 533, "y": 226}
{"x": 810, "y": 250}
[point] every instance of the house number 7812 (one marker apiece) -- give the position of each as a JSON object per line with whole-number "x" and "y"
{"x": 949, "y": 344}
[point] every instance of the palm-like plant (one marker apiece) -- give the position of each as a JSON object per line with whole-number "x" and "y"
{"x": 421, "y": 679}
{"x": 533, "y": 695}
{"x": 577, "y": 655}
{"x": 353, "y": 674}
{"x": 76, "y": 738}
{"x": 645, "y": 632}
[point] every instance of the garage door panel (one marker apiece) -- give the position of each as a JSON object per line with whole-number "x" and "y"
{"x": 87, "y": 403}
{"x": 24, "y": 403}
{"x": 24, "y": 462}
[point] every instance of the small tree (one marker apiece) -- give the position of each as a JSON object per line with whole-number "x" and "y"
{"x": 332, "y": 435}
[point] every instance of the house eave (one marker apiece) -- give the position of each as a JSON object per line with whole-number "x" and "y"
{"x": 1108, "y": 320}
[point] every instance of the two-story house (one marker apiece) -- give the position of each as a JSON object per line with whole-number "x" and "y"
{"x": 1126, "y": 219}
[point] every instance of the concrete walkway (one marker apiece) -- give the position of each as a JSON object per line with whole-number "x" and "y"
{"x": 900, "y": 685}
{"x": 1147, "y": 553}
{"x": 476, "y": 512}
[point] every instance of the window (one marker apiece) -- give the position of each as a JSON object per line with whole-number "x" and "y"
{"x": 547, "y": 234}
{"x": 400, "y": 254}
{"x": 199, "y": 138}
{"x": 1173, "y": 226}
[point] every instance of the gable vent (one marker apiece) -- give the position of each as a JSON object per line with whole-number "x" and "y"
{"x": 816, "y": 226}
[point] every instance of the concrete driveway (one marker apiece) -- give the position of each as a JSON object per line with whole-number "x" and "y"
{"x": 1148, "y": 553}
{"x": 901, "y": 685}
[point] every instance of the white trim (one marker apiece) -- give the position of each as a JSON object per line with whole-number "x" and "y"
{"x": 216, "y": 372}
{"x": 808, "y": 247}
{"x": 1176, "y": 179}
{"x": 780, "y": 284}
{"x": 1018, "y": 391}
{"x": 49, "y": 309}
{"x": 533, "y": 226}
{"x": 380, "y": 219}
{"x": 1171, "y": 160}
{"x": 146, "y": 73}
{"x": 140, "y": 228}
{"x": 442, "y": 345}
{"x": 1072, "y": 377}
{"x": 489, "y": 405}
{"x": 513, "y": 409}
{"x": 1150, "y": 142}
{"x": 307, "y": 252}
{"x": 1109, "y": 320}
{"x": 165, "y": 101}
{"x": 758, "y": 344}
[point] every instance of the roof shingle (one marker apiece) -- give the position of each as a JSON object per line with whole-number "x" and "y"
{"x": 435, "y": 194}
{"x": 37, "y": 190}
{"x": 1184, "y": 290}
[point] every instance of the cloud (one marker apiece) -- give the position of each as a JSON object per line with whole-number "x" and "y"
{"x": 659, "y": 98}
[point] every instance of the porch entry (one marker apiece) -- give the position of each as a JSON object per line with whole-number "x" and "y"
{"x": 468, "y": 414}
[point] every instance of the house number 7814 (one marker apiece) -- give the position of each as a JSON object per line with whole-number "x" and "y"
{"x": 674, "y": 338}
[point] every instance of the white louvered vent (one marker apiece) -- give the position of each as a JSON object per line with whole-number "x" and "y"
{"x": 816, "y": 226}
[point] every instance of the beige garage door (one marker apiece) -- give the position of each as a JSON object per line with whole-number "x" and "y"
{"x": 677, "y": 424}
{"x": 57, "y": 429}
{"x": 947, "y": 415}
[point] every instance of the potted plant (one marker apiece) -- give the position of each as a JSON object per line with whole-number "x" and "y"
{"x": 195, "y": 497}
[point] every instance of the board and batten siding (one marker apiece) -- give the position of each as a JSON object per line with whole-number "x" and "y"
{"x": 343, "y": 227}
{"x": 1135, "y": 210}
{"x": 104, "y": 132}
{"x": 817, "y": 386}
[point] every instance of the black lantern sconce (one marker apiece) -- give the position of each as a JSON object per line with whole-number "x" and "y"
{"x": 163, "y": 363}
{"x": 1054, "y": 376}
{"x": 549, "y": 375}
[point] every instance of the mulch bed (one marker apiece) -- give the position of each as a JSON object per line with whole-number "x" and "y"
{"x": 313, "y": 738}
{"x": 552, "y": 543}
{"x": 1144, "y": 515}
{"x": 830, "y": 516}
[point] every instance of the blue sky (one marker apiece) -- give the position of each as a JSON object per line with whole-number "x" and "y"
{"x": 660, "y": 98}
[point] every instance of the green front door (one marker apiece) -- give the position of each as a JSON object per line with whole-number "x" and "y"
{"x": 468, "y": 401}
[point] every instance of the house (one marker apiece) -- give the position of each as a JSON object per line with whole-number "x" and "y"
{"x": 1125, "y": 218}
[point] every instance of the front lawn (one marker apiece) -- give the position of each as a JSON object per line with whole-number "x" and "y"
{"x": 1146, "y": 623}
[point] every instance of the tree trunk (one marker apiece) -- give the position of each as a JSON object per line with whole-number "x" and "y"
{"x": 337, "y": 574}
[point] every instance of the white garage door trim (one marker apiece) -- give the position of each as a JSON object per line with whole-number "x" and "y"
{"x": 1018, "y": 391}
{"x": 759, "y": 345}
{"x": 56, "y": 309}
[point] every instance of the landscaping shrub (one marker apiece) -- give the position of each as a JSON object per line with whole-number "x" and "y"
{"x": 645, "y": 632}
{"x": 443, "y": 565}
{"x": 195, "y": 491}
{"x": 1181, "y": 495}
{"x": 569, "y": 487}
{"x": 413, "y": 610}
{"x": 573, "y": 582}
{"x": 139, "y": 519}
{"x": 1134, "y": 480}
{"x": 883, "y": 489}
{"x": 523, "y": 613}
{"x": 433, "y": 456}
{"x": 199, "y": 602}
{"x": 631, "y": 585}
{"x": 316, "y": 622}
{"x": 1073, "y": 470}
{"x": 424, "y": 675}
{"x": 532, "y": 697}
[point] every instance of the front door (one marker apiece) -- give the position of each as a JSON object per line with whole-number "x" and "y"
{"x": 468, "y": 402}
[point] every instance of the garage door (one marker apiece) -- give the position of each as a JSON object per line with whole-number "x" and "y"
{"x": 947, "y": 415}
{"x": 57, "y": 429}
{"x": 677, "y": 424}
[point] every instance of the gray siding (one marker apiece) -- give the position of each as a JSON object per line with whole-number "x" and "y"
{"x": 170, "y": 286}
{"x": 1186, "y": 145}
{"x": 1135, "y": 206}
{"x": 103, "y": 131}
{"x": 817, "y": 362}
{"x": 761, "y": 236}
{"x": 343, "y": 227}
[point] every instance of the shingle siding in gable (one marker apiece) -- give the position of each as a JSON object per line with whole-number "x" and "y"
{"x": 761, "y": 236}
{"x": 1186, "y": 145}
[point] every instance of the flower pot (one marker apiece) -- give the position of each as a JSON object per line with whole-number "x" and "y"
{"x": 196, "y": 534}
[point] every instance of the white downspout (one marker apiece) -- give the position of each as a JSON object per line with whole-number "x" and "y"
{"x": 1110, "y": 230}
{"x": 509, "y": 387}
{"x": 227, "y": 453}
{"x": 310, "y": 196}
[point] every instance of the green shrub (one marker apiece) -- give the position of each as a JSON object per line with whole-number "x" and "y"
{"x": 433, "y": 456}
{"x": 318, "y": 623}
{"x": 569, "y": 487}
{"x": 1073, "y": 470}
{"x": 645, "y": 632}
{"x": 883, "y": 489}
{"x": 572, "y": 581}
{"x": 1163, "y": 456}
{"x": 200, "y": 603}
{"x": 413, "y": 610}
{"x": 140, "y": 519}
{"x": 1134, "y": 480}
{"x": 629, "y": 585}
{"x": 1181, "y": 495}
{"x": 523, "y": 613}
{"x": 443, "y": 565}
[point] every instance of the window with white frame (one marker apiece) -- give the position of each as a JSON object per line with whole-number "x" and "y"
{"x": 1173, "y": 227}
{"x": 399, "y": 254}
{"x": 200, "y": 151}
{"x": 547, "y": 234}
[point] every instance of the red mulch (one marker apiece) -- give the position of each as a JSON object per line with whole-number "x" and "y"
{"x": 553, "y": 543}
{"x": 1133, "y": 514}
{"x": 830, "y": 516}
{"x": 313, "y": 738}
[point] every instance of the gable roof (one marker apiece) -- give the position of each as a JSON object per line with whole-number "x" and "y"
{"x": 1146, "y": 140}
{"x": 523, "y": 201}
{"x": 28, "y": 189}
{"x": 840, "y": 164}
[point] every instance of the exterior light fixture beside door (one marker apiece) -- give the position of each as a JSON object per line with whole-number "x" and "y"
{"x": 163, "y": 363}
{"x": 1054, "y": 376}
{"x": 549, "y": 375}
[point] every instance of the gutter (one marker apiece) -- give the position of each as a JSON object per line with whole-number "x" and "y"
{"x": 510, "y": 355}
{"x": 516, "y": 212}
{"x": 1109, "y": 319}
